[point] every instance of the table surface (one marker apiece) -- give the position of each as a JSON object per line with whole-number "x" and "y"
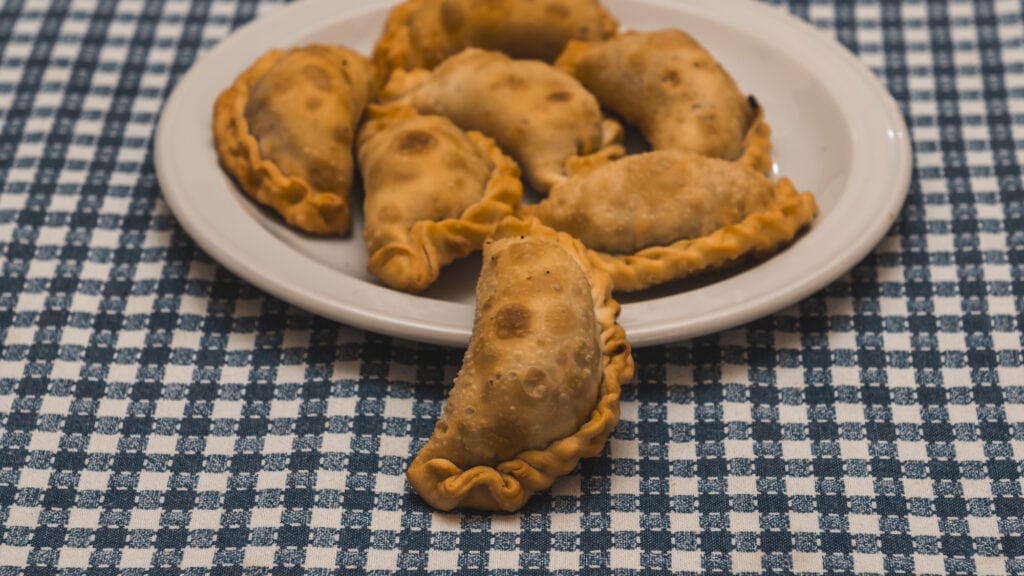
{"x": 157, "y": 414}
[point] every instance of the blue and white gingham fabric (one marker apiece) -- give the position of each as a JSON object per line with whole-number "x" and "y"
{"x": 158, "y": 415}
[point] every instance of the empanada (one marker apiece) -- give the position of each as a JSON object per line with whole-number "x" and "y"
{"x": 675, "y": 92}
{"x": 539, "y": 386}
{"x": 284, "y": 130}
{"x": 539, "y": 115}
{"x": 422, "y": 33}
{"x": 664, "y": 215}
{"x": 433, "y": 193}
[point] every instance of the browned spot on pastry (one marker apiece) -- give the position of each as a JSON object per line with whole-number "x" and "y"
{"x": 415, "y": 142}
{"x": 314, "y": 102}
{"x": 512, "y": 321}
{"x": 318, "y": 76}
{"x": 322, "y": 175}
{"x": 557, "y": 10}
{"x": 452, "y": 17}
{"x": 534, "y": 383}
{"x": 671, "y": 76}
{"x": 560, "y": 96}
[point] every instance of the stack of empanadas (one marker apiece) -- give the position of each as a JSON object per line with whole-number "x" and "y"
{"x": 461, "y": 102}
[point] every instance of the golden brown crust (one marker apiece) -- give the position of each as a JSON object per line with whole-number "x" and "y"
{"x": 409, "y": 256}
{"x": 315, "y": 200}
{"x": 422, "y": 33}
{"x": 393, "y": 49}
{"x": 675, "y": 92}
{"x": 758, "y": 234}
{"x": 509, "y": 483}
{"x": 541, "y": 116}
{"x": 652, "y": 199}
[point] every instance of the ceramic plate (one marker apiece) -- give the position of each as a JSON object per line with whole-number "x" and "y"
{"x": 835, "y": 131}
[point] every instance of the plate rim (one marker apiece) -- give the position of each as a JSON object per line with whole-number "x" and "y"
{"x": 375, "y": 312}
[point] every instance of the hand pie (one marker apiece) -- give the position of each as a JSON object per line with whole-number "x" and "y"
{"x": 675, "y": 92}
{"x": 422, "y": 33}
{"x": 284, "y": 131}
{"x": 665, "y": 215}
{"x": 433, "y": 193}
{"x": 539, "y": 385}
{"x": 540, "y": 116}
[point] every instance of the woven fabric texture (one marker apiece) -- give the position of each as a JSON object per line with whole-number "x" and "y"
{"x": 158, "y": 415}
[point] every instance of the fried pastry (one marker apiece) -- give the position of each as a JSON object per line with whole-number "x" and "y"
{"x": 422, "y": 33}
{"x": 677, "y": 94}
{"x": 539, "y": 386}
{"x": 664, "y": 215}
{"x": 539, "y": 115}
{"x": 433, "y": 193}
{"x": 284, "y": 130}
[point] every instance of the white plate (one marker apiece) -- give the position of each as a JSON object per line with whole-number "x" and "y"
{"x": 836, "y": 131}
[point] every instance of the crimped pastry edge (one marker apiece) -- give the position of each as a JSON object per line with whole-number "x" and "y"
{"x": 415, "y": 262}
{"x": 757, "y": 143}
{"x": 261, "y": 179}
{"x": 394, "y": 51}
{"x": 508, "y": 485}
{"x": 401, "y": 84}
{"x": 760, "y": 233}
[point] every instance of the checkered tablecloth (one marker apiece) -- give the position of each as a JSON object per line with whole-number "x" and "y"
{"x": 159, "y": 415}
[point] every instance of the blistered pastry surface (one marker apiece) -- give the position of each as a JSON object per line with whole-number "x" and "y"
{"x": 537, "y": 114}
{"x": 433, "y": 193}
{"x": 284, "y": 130}
{"x": 653, "y": 199}
{"x": 758, "y": 235}
{"x": 422, "y": 33}
{"x": 540, "y": 382}
{"x": 672, "y": 89}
